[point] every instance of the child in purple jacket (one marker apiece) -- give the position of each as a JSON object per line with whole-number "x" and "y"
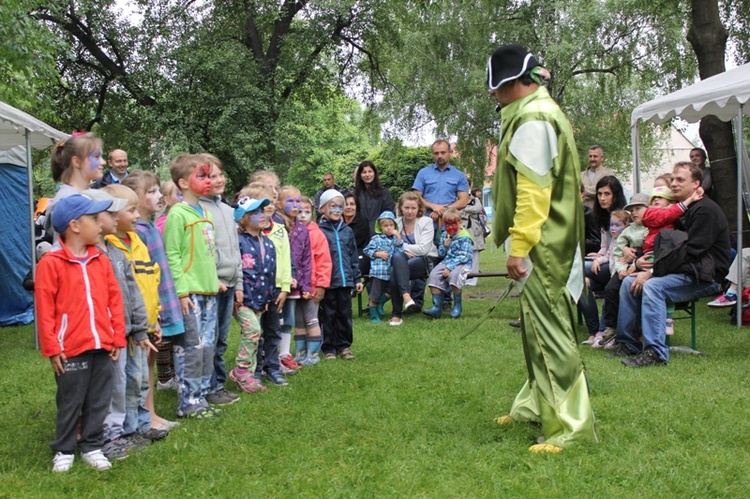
{"x": 299, "y": 239}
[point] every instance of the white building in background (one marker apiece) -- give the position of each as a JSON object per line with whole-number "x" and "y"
{"x": 673, "y": 148}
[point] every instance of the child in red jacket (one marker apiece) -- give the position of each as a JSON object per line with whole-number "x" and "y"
{"x": 81, "y": 329}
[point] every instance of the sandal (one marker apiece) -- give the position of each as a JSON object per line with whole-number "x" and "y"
{"x": 396, "y": 321}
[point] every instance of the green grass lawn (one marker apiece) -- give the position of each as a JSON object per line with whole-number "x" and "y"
{"x": 412, "y": 416}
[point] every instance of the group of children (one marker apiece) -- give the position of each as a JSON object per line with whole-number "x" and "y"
{"x": 129, "y": 289}
{"x": 633, "y": 232}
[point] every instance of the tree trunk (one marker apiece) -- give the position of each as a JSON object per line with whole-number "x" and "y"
{"x": 708, "y": 38}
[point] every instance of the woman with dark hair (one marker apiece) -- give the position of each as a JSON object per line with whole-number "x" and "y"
{"x": 410, "y": 268}
{"x": 372, "y": 198}
{"x": 609, "y": 198}
{"x": 354, "y": 219}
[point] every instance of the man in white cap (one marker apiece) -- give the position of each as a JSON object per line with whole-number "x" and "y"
{"x": 538, "y": 208}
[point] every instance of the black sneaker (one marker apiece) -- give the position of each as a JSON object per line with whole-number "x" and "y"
{"x": 515, "y": 323}
{"x": 222, "y": 397}
{"x": 644, "y": 359}
{"x": 621, "y": 351}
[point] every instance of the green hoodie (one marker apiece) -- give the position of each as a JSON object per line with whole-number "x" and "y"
{"x": 191, "y": 250}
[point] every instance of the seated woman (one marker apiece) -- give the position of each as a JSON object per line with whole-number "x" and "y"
{"x": 409, "y": 270}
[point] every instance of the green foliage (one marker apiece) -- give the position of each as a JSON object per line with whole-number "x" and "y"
{"x": 604, "y": 58}
{"x": 27, "y": 60}
{"x": 398, "y": 165}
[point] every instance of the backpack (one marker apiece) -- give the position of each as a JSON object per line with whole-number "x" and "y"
{"x": 670, "y": 250}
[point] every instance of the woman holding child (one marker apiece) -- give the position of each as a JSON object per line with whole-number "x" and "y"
{"x": 410, "y": 268}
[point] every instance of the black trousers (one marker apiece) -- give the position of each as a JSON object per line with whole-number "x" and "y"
{"x": 335, "y": 318}
{"x": 611, "y": 306}
{"x": 84, "y": 391}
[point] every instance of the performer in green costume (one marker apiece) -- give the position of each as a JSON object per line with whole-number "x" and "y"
{"x": 538, "y": 207}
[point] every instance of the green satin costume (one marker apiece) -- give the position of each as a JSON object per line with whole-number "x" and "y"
{"x": 556, "y": 393}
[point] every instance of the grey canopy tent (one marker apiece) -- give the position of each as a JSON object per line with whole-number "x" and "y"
{"x": 723, "y": 96}
{"x": 19, "y": 132}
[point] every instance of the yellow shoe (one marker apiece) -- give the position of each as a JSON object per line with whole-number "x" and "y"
{"x": 503, "y": 420}
{"x": 545, "y": 448}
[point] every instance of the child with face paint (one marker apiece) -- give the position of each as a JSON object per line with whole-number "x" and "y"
{"x": 381, "y": 248}
{"x": 268, "y": 353}
{"x": 75, "y": 164}
{"x": 146, "y": 186}
{"x": 456, "y": 247}
{"x": 336, "y": 309}
{"x": 307, "y": 335}
{"x": 229, "y": 269}
{"x": 258, "y": 285}
{"x": 190, "y": 247}
{"x": 288, "y": 205}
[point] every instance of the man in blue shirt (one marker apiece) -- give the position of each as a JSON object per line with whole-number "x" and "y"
{"x": 442, "y": 186}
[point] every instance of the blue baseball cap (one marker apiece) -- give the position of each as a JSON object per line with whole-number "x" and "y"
{"x": 74, "y": 207}
{"x": 246, "y": 205}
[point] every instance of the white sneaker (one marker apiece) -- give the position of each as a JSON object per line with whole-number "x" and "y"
{"x": 62, "y": 462}
{"x": 169, "y": 385}
{"x": 96, "y": 459}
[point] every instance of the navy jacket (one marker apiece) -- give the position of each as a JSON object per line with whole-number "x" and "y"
{"x": 344, "y": 256}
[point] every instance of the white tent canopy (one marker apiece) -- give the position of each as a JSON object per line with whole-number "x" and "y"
{"x": 719, "y": 95}
{"x": 724, "y": 96}
{"x": 13, "y": 126}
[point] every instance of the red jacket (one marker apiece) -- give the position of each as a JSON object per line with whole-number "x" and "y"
{"x": 78, "y": 303}
{"x": 321, "y": 257}
{"x": 657, "y": 219}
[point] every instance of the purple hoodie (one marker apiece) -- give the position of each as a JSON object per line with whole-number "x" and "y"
{"x": 299, "y": 240}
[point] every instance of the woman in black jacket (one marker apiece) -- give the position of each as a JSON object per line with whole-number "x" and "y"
{"x": 372, "y": 198}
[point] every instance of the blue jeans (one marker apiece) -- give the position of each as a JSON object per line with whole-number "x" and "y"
{"x": 647, "y": 312}
{"x": 137, "y": 417}
{"x": 224, "y": 312}
{"x": 194, "y": 354}
{"x": 587, "y": 304}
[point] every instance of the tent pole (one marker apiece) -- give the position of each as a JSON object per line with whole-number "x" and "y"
{"x": 30, "y": 182}
{"x": 634, "y": 140}
{"x": 740, "y": 148}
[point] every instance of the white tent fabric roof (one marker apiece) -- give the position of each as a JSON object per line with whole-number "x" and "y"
{"x": 13, "y": 126}
{"x": 718, "y": 95}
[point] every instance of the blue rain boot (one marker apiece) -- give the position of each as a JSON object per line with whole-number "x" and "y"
{"x": 313, "y": 350}
{"x": 374, "y": 315}
{"x": 457, "y": 308}
{"x": 437, "y": 306}
{"x": 300, "y": 342}
{"x": 383, "y": 300}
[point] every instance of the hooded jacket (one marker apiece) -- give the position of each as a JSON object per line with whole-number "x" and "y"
{"x": 299, "y": 241}
{"x": 321, "y": 257}
{"x": 379, "y": 268}
{"x": 344, "y": 257}
{"x": 228, "y": 259}
{"x": 136, "y": 319}
{"x": 146, "y": 272}
{"x": 191, "y": 249}
{"x": 79, "y": 304}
